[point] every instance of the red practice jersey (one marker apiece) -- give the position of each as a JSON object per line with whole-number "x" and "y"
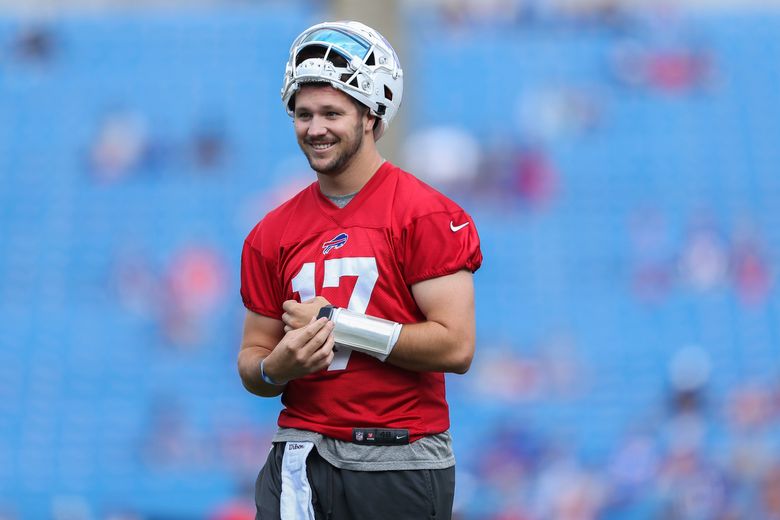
{"x": 395, "y": 232}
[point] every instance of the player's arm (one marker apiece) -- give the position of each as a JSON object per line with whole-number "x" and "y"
{"x": 445, "y": 341}
{"x": 284, "y": 356}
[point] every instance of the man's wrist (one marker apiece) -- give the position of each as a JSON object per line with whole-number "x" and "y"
{"x": 370, "y": 335}
{"x": 266, "y": 378}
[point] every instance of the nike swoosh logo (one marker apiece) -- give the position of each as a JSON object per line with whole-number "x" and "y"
{"x": 455, "y": 228}
{"x": 399, "y": 437}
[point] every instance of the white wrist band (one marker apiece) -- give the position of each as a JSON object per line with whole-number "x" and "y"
{"x": 367, "y": 334}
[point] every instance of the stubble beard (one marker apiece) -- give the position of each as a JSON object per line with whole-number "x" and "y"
{"x": 342, "y": 160}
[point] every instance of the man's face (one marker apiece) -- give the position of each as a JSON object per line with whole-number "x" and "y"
{"x": 329, "y": 128}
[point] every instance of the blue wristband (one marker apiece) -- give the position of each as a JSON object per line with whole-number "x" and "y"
{"x": 265, "y": 376}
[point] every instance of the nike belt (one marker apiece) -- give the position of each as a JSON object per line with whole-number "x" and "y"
{"x": 380, "y": 436}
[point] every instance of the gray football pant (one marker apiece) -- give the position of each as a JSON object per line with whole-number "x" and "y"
{"x": 340, "y": 494}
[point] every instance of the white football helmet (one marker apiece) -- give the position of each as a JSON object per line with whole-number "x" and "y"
{"x": 352, "y": 57}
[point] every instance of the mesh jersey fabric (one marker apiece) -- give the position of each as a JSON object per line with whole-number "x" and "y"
{"x": 397, "y": 231}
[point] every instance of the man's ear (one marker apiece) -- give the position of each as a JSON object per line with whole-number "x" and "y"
{"x": 371, "y": 122}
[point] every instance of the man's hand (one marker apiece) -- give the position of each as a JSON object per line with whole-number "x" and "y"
{"x": 297, "y": 315}
{"x": 301, "y": 352}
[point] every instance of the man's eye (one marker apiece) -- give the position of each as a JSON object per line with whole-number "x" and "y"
{"x": 332, "y": 114}
{"x": 303, "y": 115}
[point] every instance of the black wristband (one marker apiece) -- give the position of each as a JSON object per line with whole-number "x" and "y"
{"x": 326, "y": 312}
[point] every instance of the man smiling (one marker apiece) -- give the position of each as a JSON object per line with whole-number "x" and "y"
{"x": 359, "y": 296}
{"x": 333, "y": 136}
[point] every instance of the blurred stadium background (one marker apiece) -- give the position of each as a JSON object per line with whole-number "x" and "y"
{"x": 621, "y": 159}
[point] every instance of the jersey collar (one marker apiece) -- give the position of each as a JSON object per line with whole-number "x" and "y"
{"x": 340, "y": 214}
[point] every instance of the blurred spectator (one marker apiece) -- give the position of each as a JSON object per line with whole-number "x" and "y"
{"x": 507, "y": 469}
{"x": 136, "y": 283}
{"x": 553, "y": 371}
{"x": 235, "y": 510}
{"x": 508, "y": 376}
{"x": 292, "y": 175}
{"x": 551, "y": 112}
{"x": 8, "y": 513}
{"x": 689, "y": 375}
{"x": 170, "y": 440}
{"x": 512, "y": 174}
{"x": 181, "y": 298}
{"x": 750, "y": 412}
{"x": 209, "y": 146}
{"x": 652, "y": 270}
{"x": 444, "y": 156}
{"x": 71, "y": 507}
{"x": 751, "y": 270}
{"x": 568, "y": 491}
{"x": 633, "y": 469}
{"x": 598, "y": 13}
{"x": 770, "y": 493}
{"x": 534, "y": 178}
{"x": 241, "y": 506}
{"x": 704, "y": 259}
{"x": 195, "y": 281}
{"x": 565, "y": 370}
{"x": 122, "y": 513}
{"x": 692, "y": 488}
{"x": 124, "y": 146}
{"x": 35, "y": 45}
{"x": 545, "y": 13}
{"x": 675, "y": 69}
{"x": 120, "y": 146}
{"x": 239, "y": 441}
{"x": 460, "y": 13}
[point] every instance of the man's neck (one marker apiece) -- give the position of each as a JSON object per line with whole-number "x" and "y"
{"x": 353, "y": 177}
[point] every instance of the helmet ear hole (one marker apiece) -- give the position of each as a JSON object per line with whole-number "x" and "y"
{"x": 388, "y": 93}
{"x": 353, "y": 82}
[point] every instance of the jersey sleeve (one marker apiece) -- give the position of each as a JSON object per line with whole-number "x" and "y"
{"x": 261, "y": 289}
{"x": 439, "y": 244}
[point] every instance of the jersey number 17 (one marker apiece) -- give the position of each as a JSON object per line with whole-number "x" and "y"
{"x": 363, "y": 267}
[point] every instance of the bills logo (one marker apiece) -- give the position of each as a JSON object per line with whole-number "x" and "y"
{"x": 336, "y": 242}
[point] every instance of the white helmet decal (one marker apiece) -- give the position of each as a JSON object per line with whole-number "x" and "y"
{"x": 353, "y": 58}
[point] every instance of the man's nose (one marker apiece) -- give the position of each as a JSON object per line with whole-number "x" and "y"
{"x": 317, "y": 127}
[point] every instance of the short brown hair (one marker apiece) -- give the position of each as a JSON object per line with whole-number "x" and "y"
{"x": 362, "y": 109}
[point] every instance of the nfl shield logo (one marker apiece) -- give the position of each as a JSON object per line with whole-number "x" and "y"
{"x": 359, "y": 436}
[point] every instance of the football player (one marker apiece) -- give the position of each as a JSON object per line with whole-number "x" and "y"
{"x": 359, "y": 297}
